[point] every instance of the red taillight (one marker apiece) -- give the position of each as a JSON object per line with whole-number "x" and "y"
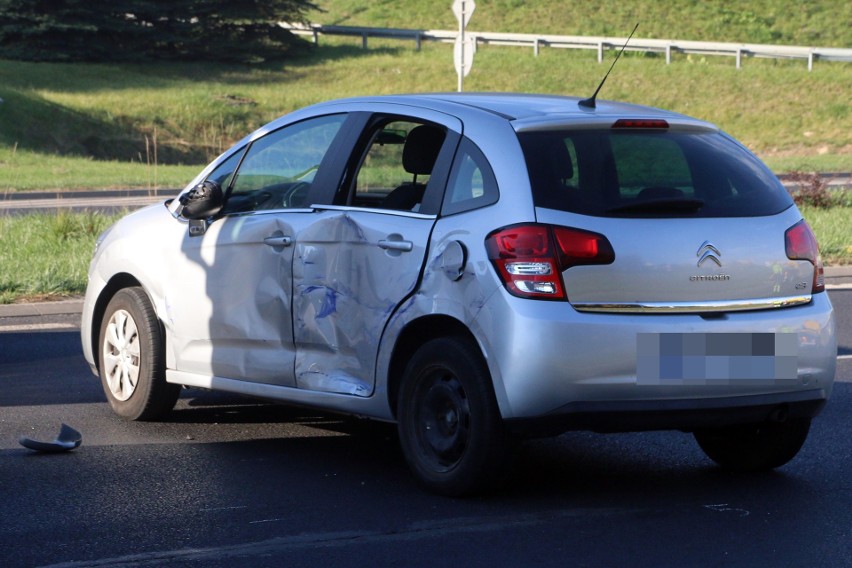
{"x": 640, "y": 123}
{"x": 582, "y": 247}
{"x": 801, "y": 244}
{"x": 530, "y": 258}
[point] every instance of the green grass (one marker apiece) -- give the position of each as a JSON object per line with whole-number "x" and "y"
{"x": 47, "y": 255}
{"x": 30, "y": 170}
{"x": 155, "y": 125}
{"x": 831, "y": 227}
{"x": 786, "y": 22}
{"x": 830, "y": 224}
{"x": 114, "y": 135}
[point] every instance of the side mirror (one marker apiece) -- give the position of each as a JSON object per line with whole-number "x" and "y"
{"x": 202, "y": 201}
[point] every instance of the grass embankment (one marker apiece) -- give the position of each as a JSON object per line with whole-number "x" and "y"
{"x": 47, "y": 255}
{"x": 786, "y": 22}
{"x": 88, "y": 125}
{"x": 97, "y": 134}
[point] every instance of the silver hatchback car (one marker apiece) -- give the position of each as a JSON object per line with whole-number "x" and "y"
{"x": 477, "y": 267}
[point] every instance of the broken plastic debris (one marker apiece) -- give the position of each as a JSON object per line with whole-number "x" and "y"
{"x": 68, "y": 439}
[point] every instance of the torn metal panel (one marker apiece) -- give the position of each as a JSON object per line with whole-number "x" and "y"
{"x": 67, "y": 440}
{"x": 351, "y": 270}
{"x": 336, "y": 382}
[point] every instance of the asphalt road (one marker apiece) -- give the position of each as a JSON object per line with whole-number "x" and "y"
{"x": 104, "y": 201}
{"x": 228, "y": 481}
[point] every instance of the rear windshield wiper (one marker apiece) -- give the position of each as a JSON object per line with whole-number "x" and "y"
{"x": 660, "y": 206}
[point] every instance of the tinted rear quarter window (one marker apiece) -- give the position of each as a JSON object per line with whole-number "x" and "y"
{"x": 472, "y": 183}
{"x": 644, "y": 172}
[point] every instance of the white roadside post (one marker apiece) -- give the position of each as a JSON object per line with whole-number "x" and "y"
{"x": 464, "y": 48}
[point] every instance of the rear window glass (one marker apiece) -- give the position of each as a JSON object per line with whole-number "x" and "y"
{"x": 649, "y": 173}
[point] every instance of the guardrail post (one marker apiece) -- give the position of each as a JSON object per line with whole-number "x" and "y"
{"x": 600, "y": 52}
{"x": 363, "y": 40}
{"x": 739, "y": 56}
{"x": 417, "y": 39}
{"x": 316, "y": 37}
{"x": 811, "y": 61}
{"x": 535, "y": 47}
{"x": 669, "y": 54}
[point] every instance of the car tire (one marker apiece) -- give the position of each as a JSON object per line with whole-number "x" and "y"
{"x": 132, "y": 360}
{"x": 755, "y": 447}
{"x": 450, "y": 428}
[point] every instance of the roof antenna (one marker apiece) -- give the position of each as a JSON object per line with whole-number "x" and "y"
{"x": 590, "y": 102}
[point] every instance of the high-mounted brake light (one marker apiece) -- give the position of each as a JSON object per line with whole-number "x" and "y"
{"x": 801, "y": 244}
{"x": 531, "y": 258}
{"x": 640, "y": 123}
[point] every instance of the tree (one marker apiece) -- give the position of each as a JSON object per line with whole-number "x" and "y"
{"x": 133, "y": 30}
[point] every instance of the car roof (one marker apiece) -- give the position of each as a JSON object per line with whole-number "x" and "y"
{"x": 523, "y": 108}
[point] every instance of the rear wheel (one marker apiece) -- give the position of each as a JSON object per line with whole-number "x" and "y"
{"x": 755, "y": 447}
{"x": 132, "y": 362}
{"x": 449, "y": 424}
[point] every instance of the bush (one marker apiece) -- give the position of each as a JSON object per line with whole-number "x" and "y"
{"x": 811, "y": 189}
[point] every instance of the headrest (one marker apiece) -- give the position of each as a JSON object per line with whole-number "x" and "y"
{"x": 421, "y": 149}
{"x": 551, "y": 159}
{"x": 559, "y": 160}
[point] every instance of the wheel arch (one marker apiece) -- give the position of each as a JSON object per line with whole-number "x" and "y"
{"x": 415, "y": 334}
{"x": 116, "y": 283}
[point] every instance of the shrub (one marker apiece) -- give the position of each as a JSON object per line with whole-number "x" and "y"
{"x": 811, "y": 189}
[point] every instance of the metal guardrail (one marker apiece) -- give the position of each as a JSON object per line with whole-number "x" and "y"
{"x": 600, "y": 44}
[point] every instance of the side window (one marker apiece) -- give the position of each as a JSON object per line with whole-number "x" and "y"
{"x": 224, "y": 172}
{"x": 472, "y": 183}
{"x": 278, "y": 169}
{"x": 397, "y": 165}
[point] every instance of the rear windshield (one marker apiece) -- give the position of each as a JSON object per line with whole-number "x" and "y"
{"x": 649, "y": 173}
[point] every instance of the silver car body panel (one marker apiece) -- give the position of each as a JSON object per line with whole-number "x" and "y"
{"x": 660, "y": 260}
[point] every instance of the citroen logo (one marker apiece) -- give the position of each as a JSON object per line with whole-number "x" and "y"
{"x": 707, "y": 251}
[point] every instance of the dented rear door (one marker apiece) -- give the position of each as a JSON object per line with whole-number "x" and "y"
{"x": 352, "y": 268}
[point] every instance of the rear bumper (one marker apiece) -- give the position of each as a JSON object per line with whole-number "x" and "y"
{"x": 547, "y": 359}
{"x": 686, "y": 415}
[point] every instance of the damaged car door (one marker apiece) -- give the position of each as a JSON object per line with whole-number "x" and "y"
{"x": 230, "y": 304}
{"x": 358, "y": 262}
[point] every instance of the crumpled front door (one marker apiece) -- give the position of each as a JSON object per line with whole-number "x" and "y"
{"x": 229, "y": 306}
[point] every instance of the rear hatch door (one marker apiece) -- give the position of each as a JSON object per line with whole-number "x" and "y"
{"x": 696, "y": 221}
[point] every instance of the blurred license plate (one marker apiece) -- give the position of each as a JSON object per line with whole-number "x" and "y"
{"x": 717, "y": 358}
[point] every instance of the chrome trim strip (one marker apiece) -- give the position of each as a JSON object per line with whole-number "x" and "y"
{"x": 692, "y": 307}
{"x": 396, "y": 212}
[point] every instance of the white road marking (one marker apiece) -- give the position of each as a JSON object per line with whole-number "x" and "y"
{"x": 37, "y": 327}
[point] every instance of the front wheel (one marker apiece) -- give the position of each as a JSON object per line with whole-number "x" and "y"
{"x": 450, "y": 427}
{"x": 132, "y": 362}
{"x": 755, "y": 447}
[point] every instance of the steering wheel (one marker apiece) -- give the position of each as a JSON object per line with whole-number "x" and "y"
{"x": 296, "y": 195}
